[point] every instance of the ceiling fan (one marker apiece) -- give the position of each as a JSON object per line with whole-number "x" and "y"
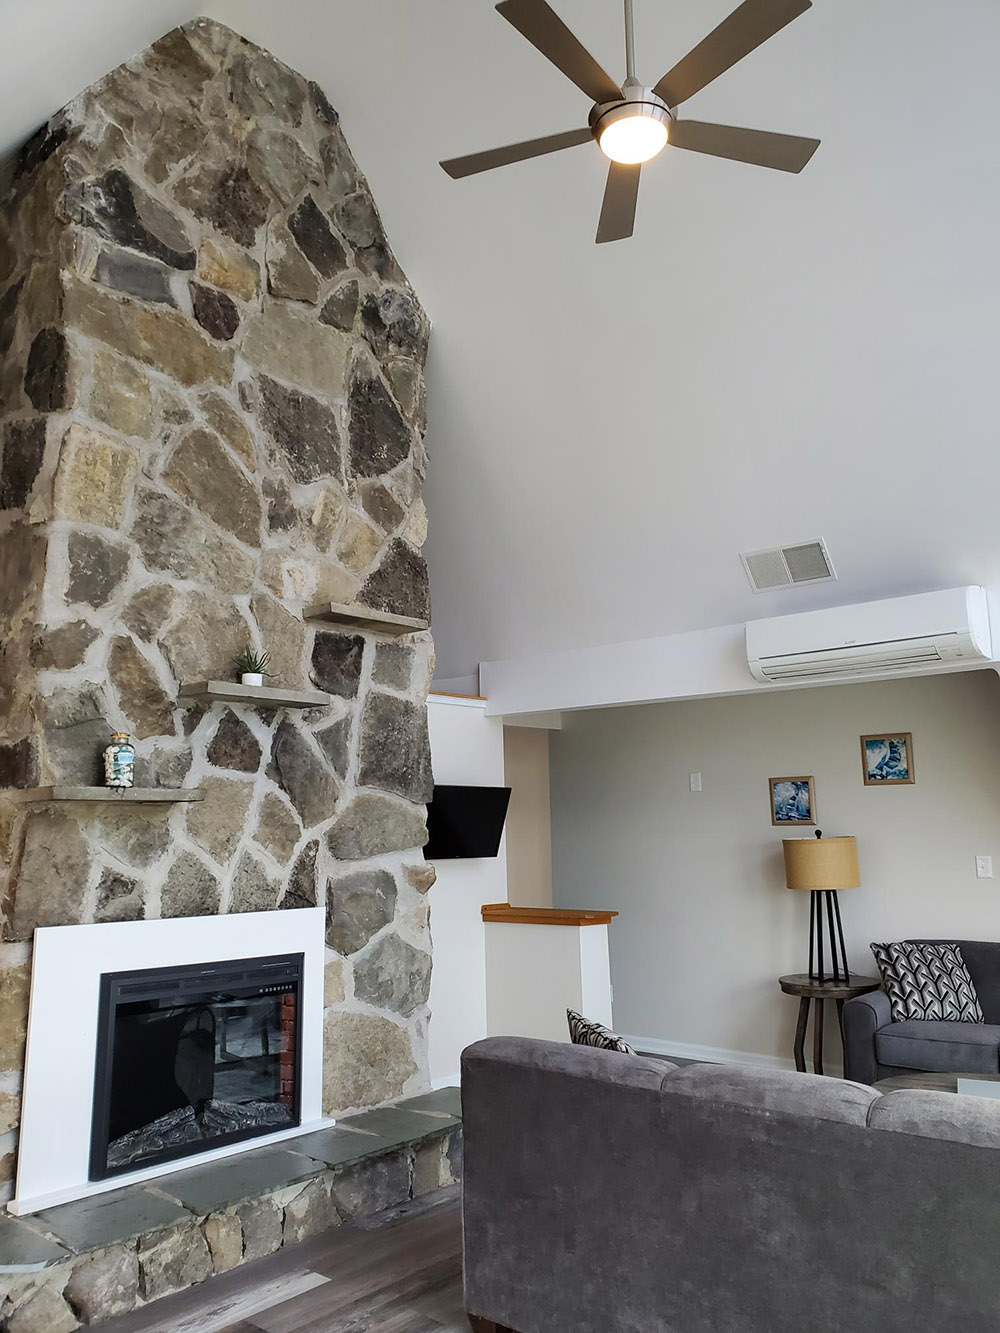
{"x": 633, "y": 123}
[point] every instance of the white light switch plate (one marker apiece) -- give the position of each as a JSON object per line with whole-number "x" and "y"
{"x": 695, "y": 780}
{"x": 984, "y": 867}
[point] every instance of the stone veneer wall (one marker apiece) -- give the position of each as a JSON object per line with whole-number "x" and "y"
{"x": 212, "y": 415}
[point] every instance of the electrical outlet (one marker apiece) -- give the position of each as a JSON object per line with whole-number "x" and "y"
{"x": 984, "y": 867}
{"x": 694, "y": 779}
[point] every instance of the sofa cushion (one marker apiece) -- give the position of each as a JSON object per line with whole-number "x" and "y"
{"x": 939, "y": 1115}
{"x": 588, "y": 1032}
{"x": 927, "y": 981}
{"x": 779, "y": 1090}
{"x": 941, "y": 1048}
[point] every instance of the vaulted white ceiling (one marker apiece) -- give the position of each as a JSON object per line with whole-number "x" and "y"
{"x": 772, "y": 358}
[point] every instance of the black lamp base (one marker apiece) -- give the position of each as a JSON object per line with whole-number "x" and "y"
{"x": 819, "y": 970}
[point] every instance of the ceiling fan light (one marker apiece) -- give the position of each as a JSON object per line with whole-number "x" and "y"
{"x": 634, "y": 132}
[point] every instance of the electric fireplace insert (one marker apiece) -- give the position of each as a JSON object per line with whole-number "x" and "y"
{"x": 193, "y": 1058}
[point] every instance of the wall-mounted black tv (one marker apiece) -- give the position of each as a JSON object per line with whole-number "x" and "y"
{"x": 465, "y": 822}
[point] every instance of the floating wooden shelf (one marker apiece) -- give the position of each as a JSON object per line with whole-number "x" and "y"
{"x": 228, "y": 691}
{"x": 128, "y": 795}
{"x": 507, "y": 914}
{"x": 365, "y": 617}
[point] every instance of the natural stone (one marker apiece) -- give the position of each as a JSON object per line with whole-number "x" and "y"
{"x": 394, "y": 322}
{"x": 96, "y": 568}
{"x": 172, "y": 1261}
{"x": 156, "y": 336}
{"x": 253, "y": 890}
{"x": 292, "y": 346}
{"x": 429, "y": 1166}
{"x": 262, "y": 87}
{"x": 421, "y": 877}
{"x": 215, "y": 312}
{"x": 303, "y": 775}
{"x": 407, "y": 385}
{"x": 14, "y": 988}
{"x": 336, "y": 663}
{"x": 217, "y": 822}
{"x": 358, "y": 906}
{"x": 399, "y": 585}
{"x": 289, "y": 273}
{"x": 44, "y": 1311}
{"x": 10, "y": 1102}
{"x": 206, "y": 636}
{"x": 75, "y": 732}
{"x": 341, "y": 170}
{"x": 165, "y": 764}
{"x": 335, "y": 742}
{"x": 381, "y": 506}
{"x": 372, "y": 825}
{"x": 393, "y": 665}
{"x": 261, "y": 1223}
{"x": 334, "y": 989}
{"x": 190, "y": 889}
{"x": 280, "y": 162}
{"x": 395, "y": 748}
{"x": 202, "y": 470}
{"x": 393, "y": 975}
{"x": 301, "y": 890}
{"x": 51, "y": 879}
{"x": 303, "y": 430}
{"x": 415, "y": 531}
{"x": 284, "y": 636}
{"x": 227, "y": 422}
{"x": 229, "y": 268}
{"x": 104, "y": 1284}
{"x": 278, "y": 830}
{"x": 366, "y": 1060}
{"x": 139, "y": 837}
{"x": 227, "y": 197}
{"x": 120, "y": 396}
{"x": 234, "y": 745}
{"x": 359, "y": 543}
{"x": 21, "y": 457}
{"x": 145, "y": 704}
{"x": 62, "y": 647}
{"x": 224, "y": 1236}
{"x": 117, "y": 209}
{"x": 316, "y": 240}
{"x": 378, "y": 436}
{"x": 358, "y": 219}
{"x": 282, "y": 512}
{"x": 172, "y": 538}
{"x": 341, "y": 308}
{"x": 19, "y": 763}
{"x": 373, "y": 1186}
{"x": 46, "y": 375}
{"x": 326, "y": 515}
{"x": 93, "y": 478}
{"x": 149, "y": 610}
{"x": 146, "y": 279}
{"x": 119, "y": 898}
{"x": 310, "y": 1212}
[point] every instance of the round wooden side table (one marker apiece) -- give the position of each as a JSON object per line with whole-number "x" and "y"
{"x": 807, "y": 988}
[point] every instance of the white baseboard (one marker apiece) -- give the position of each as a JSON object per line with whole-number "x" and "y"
{"x": 716, "y": 1055}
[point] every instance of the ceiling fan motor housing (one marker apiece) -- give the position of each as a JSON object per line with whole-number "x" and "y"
{"x": 635, "y": 101}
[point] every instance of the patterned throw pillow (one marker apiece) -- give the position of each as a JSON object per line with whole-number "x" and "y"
{"x": 927, "y": 981}
{"x": 583, "y": 1032}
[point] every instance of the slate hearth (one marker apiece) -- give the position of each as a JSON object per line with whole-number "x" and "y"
{"x": 83, "y": 1262}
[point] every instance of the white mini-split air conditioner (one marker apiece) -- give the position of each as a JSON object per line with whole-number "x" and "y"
{"x": 895, "y": 636}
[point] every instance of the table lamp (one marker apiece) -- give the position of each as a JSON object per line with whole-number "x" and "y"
{"x": 822, "y": 866}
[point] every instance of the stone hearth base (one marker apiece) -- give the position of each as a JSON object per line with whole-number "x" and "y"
{"x": 83, "y": 1262}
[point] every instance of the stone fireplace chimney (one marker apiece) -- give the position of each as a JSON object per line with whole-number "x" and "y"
{"x": 211, "y": 419}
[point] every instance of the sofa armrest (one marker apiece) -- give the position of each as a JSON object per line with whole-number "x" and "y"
{"x": 863, "y": 1017}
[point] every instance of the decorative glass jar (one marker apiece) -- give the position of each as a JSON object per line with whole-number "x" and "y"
{"x": 119, "y": 761}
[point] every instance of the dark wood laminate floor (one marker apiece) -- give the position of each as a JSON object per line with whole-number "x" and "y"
{"x": 400, "y": 1272}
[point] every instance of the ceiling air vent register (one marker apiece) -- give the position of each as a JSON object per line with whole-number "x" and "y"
{"x": 784, "y": 566}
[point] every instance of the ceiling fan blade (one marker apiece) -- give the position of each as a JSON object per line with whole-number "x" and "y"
{"x": 761, "y": 148}
{"x": 457, "y": 167}
{"x": 743, "y": 31}
{"x": 620, "y": 195}
{"x": 545, "y": 30}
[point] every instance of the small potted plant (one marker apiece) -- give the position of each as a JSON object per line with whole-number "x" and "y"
{"x": 251, "y": 666}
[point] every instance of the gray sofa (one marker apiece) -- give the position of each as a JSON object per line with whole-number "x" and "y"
{"x": 875, "y": 1047}
{"x": 607, "y": 1193}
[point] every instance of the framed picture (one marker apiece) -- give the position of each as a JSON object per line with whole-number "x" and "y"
{"x": 793, "y": 801}
{"x": 887, "y": 760}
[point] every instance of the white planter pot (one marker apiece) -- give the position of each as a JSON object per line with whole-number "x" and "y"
{"x": 252, "y": 678}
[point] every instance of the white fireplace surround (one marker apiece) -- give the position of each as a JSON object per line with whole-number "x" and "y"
{"x": 68, "y": 961}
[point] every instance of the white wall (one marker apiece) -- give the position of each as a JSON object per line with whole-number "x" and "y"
{"x": 706, "y": 924}
{"x": 466, "y": 748}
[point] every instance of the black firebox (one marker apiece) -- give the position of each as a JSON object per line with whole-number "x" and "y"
{"x": 192, "y": 1058}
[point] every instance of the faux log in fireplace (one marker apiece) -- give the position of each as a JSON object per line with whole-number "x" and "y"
{"x": 193, "y": 1058}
